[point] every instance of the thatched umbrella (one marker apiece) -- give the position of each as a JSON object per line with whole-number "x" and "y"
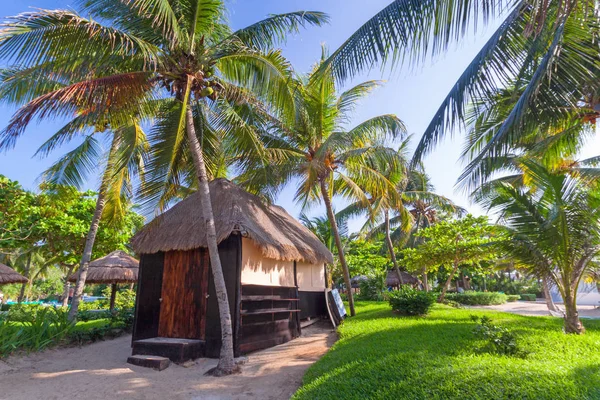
{"x": 117, "y": 267}
{"x": 9, "y": 275}
{"x": 393, "y": 281}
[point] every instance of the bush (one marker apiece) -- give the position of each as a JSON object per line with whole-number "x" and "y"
{"x": 528, "y": 297}
{"x": 500, "y": 340}
{"x": 512, "y": 297}
{"x": 478, "y": 298}
{"x": 372, "y": 288}
{"x": 410, "y": 301}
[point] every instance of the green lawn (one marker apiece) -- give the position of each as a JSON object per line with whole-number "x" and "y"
{"x": 384, "y": 356}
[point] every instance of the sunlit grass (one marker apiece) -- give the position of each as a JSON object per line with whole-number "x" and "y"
{"x": 385, "y": 356}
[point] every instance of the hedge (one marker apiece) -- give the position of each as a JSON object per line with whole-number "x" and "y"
{"x": 472, "y": 298}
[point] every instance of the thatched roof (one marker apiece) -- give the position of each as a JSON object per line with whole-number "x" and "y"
{"x": 9, "y": 275}
{"x": 392, "y": 278}
{"x": 274, "y": 231}
{"x": 117, "y": 267}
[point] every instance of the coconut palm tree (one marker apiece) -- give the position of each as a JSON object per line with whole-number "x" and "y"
{"x": 410, "y": 206}
{"x": 181, "y": 52}
{"x": 551, "y": 216}
{"x": 324, "y": 158}
{"x": 547, "y": 47}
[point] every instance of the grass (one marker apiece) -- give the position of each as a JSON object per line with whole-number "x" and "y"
{"x": 382, "y": 356}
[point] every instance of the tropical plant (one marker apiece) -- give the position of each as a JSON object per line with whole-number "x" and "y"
{"x": 551, "y": 217}
{"x": 326, "y": 159}
{"x": 466, "y": 241}
{"x": 172, "y": 57}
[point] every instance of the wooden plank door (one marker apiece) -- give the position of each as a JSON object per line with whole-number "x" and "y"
{"x": 184, "y": 290}
{"x": 147, "y": 307}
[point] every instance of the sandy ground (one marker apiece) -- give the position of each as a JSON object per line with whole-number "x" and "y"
{"x": 100, "y": 371}
{"x": 539, "y": 308}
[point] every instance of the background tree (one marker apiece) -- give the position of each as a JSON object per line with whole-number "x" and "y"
{"x": 466, "y": 241}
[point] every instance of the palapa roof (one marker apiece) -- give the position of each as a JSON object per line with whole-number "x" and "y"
{"x": 117, "y": 267}
{"x": 273, "y": 230}
{"x": 392, "y": 278}
{"x": 9, "y": 275}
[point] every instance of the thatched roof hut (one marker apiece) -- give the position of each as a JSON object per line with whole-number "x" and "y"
{"x": 9, "y": 275}
{"x": 116, "y": 267}
{"x": 273, "y": 268}
{"x": 277, "y": 234}
{"x": 393, "y": 281}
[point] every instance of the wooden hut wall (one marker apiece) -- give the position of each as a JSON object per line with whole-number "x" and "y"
{"x": 311, "y": 286}
{"x": 259, "y": 270}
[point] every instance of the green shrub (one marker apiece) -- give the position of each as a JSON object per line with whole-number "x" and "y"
{"x": 512, "y": 297}
{"x": 5, "y": 307}
{"x": 528, "y": 296}
{"x": 372, "y": 288}
{"x": 452, "y": 303}
{"x": 500, "y": 340}
{"x": 410, "y": 301}
{"x": 478, "y": 298}
{"x": 93, "y": 305}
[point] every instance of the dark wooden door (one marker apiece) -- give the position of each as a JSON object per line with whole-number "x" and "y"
{"x": 183, "y": 298}
{"x": 147, "y": 307}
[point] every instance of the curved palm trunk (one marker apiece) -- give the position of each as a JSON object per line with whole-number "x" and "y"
{"x": 227, "y": 363}
{"x": 24, "y": 285}
{"x": 338, "y": 243}
{"x": 91, "y": 236}
{"x": 424, "y": 270}
{"x": 547, "y": 296}
{"x": 390, "y": 245}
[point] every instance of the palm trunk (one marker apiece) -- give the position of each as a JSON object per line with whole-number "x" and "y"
{"x": 338, "y": 243}
{"x": 390, "y": 245}
{"x": 547, "y": 296}
{"x": 91, "y": 236}
{"x": 24, "y": 285}
{"x": 227, "y": 363}
{"x": 572, "y": 322}
{"x": 67, "y": 287}
{"x": 448, "y": 282}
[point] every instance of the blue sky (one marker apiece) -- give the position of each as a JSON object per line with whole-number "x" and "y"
{"x": 412, "y": 95}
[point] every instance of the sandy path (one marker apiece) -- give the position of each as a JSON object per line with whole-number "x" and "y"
{"x": 539, "y": 308}
{"x": 99, "y": 371}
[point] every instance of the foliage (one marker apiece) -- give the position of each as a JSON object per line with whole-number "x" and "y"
{"x": 478, "y": 298}
{"x": 466, "y": 241}
{"x": 124, "y": 300}
{"x": 527, "y": 297}
{"x": 551, "y": 216}
{"x": 365, "y": 258}
{"x": 410, "y": 301}
{"x": 513, "y": 297}
{"x": 373, "y": 288}
{"x": 500, "y": 340}
{"x": 380, "y": 355}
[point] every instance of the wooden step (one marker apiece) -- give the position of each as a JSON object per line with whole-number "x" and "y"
{"x": 156, "y": 362}
{"x": 175, "y": 349}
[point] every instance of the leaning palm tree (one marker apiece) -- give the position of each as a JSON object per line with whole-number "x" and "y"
{"x": 178, "y": 53}
{"x": 547, "y": 47}
{"x": 551, "y": 217}
{"x": 319, "y": 153}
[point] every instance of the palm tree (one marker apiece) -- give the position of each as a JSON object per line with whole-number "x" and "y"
{"x": 546, "y": 47}
{"x": 410, "y": 206}
{"x": 551, "y": 216}
{"x": 316, "y": 151}
{"x": 181, "y": 53}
